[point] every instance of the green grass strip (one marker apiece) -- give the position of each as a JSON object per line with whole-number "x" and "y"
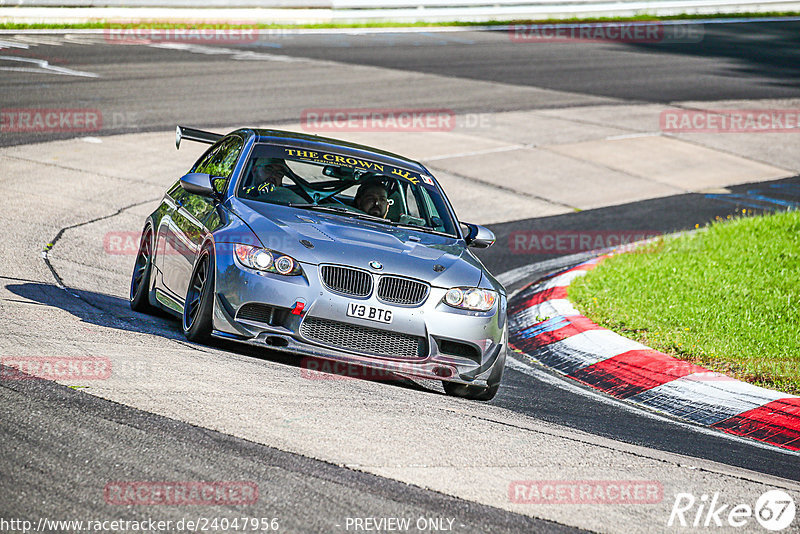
{"x": 726, "y": 297}
{"x": 208, "y": 26}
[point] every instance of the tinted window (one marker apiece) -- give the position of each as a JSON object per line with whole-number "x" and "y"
{"x": 205, "y": 158}
{"x": 198, "y": 206}
{"x": 176, "y": 190}
{"x": 220, "y": 162}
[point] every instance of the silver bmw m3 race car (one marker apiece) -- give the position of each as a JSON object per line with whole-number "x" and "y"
{"x": 324, "y": 249}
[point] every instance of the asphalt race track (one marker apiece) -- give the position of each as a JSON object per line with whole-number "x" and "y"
{"x": 323, "y": 451}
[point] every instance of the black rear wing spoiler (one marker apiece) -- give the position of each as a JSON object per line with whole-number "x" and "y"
{"x": 192, "y": 134}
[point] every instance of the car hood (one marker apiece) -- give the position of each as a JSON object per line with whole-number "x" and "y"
{"x": 348, "y": 241}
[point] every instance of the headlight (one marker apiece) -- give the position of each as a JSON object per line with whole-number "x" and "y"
{"x": 262, "y": 259}
{"x": 470, "y": 298}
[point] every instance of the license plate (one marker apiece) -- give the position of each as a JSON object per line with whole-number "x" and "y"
{"x": 371, "y": 313}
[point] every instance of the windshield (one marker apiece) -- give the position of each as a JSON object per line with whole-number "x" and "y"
{"x": 345, "y": 185}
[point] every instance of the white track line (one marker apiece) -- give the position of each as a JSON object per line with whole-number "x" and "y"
{"x": 43, "y": 67}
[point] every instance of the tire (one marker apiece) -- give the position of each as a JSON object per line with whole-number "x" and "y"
{"x": 199, "y": 306}
{"x": 140, "y": 279}
{"x": 481, "y": 393}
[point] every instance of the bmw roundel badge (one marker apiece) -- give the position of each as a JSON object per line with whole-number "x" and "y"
{"x": 376, "y": 265}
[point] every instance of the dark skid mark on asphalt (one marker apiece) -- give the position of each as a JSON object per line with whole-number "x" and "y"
{"x": 524, "y": 394}
{"x": 44, "y": 456}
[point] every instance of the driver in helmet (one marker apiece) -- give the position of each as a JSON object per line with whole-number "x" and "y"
{"x": 268, "y": 174}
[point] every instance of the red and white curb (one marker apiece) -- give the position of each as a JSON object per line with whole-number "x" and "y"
{"x": 544, "y": 326}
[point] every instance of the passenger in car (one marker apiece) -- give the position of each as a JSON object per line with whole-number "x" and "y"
{"x": 372, "y": 198}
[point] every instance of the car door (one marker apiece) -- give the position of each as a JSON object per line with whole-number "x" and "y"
{"x": 164, "y": 244}
{"x": 188, "y": 227}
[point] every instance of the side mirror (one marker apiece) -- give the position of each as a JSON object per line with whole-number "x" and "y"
{"x": 479, "y": 236}
{"x": 198, "y": 183}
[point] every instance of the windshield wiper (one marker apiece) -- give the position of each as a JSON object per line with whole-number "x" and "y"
{"x": 426, "y": 229}
{"x": 341, "y": 211}
{"x": 368, "y": 217}
{"x": 308, "y": 205}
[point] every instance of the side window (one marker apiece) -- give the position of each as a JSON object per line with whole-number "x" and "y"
{"x": 177, "y": 193}
{"x": 220, "y": 162}
{"x": 175, "y": 190}
{"x": 206, "y": 158}
{"x": 198, "y": 206}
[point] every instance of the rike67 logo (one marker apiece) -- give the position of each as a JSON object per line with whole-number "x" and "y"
{"x": 774, "y": 510}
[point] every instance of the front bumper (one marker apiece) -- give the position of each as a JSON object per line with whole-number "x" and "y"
{"x": 457, "y": 345}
